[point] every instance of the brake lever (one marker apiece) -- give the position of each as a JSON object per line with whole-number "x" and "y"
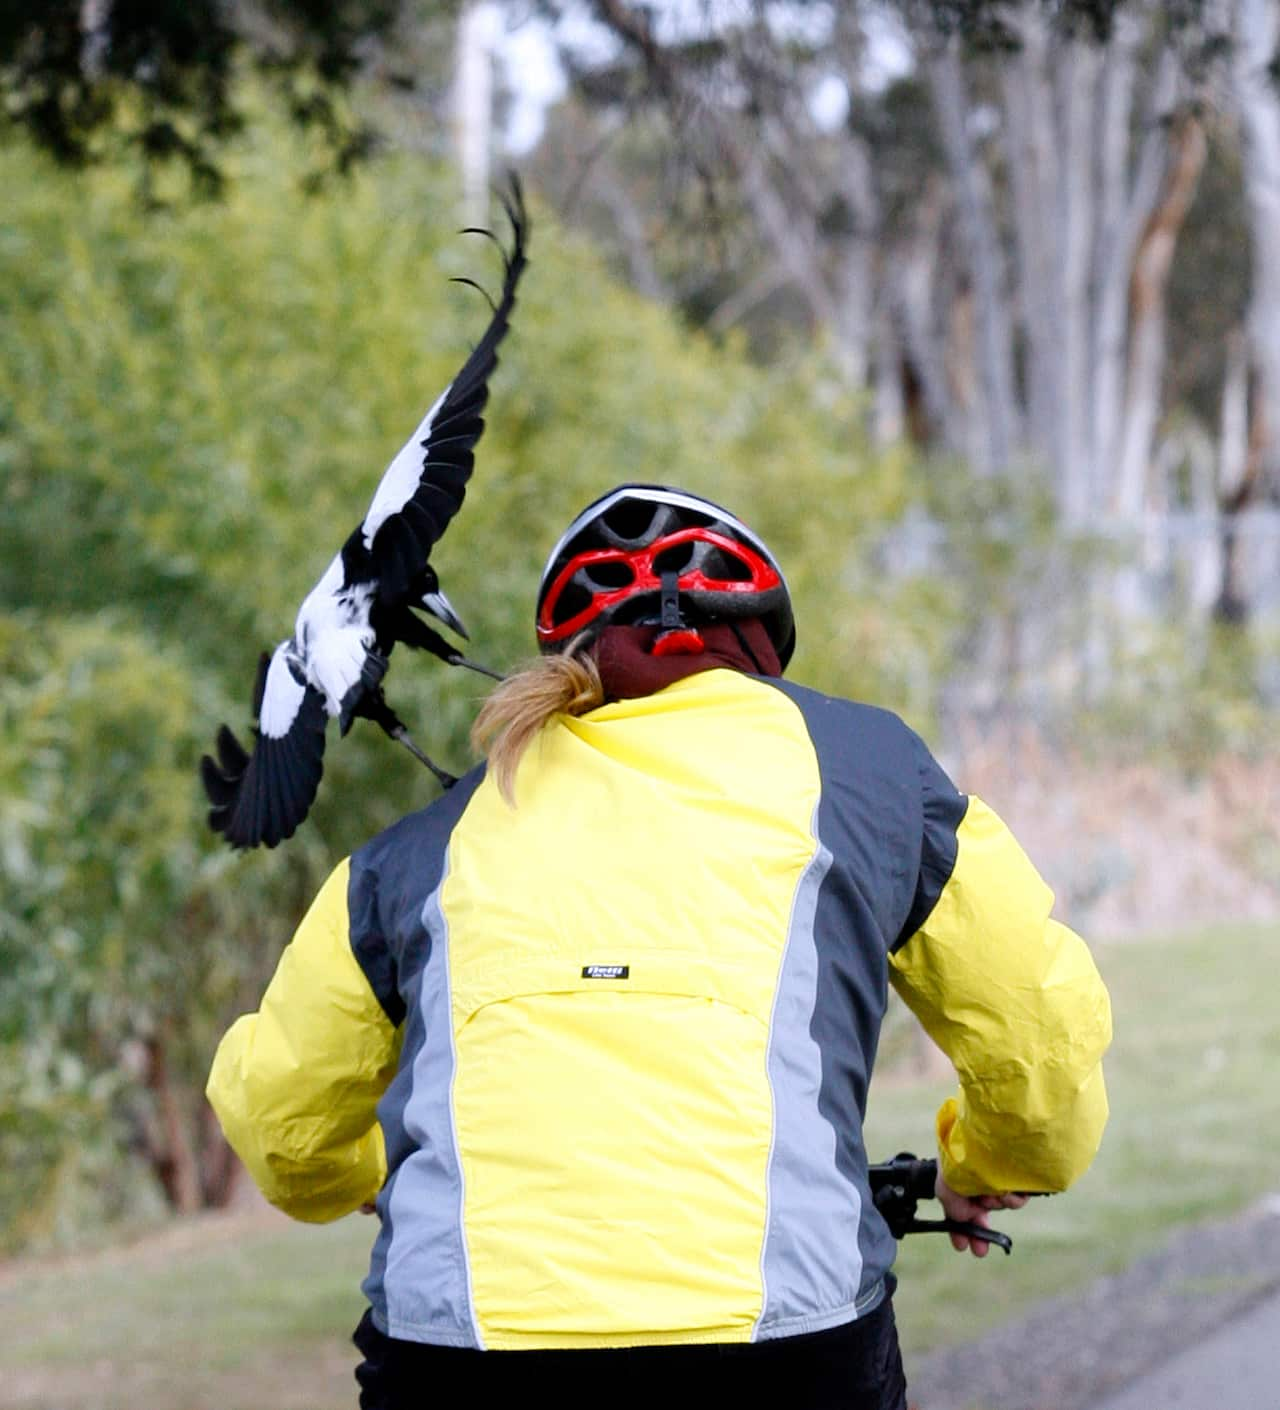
{"x": 959, "y": 1226}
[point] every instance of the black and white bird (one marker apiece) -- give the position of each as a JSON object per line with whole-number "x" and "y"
{"x": 334, "y": 663}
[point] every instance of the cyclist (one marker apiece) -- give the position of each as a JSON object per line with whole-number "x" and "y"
{"x": 615, "y": 998}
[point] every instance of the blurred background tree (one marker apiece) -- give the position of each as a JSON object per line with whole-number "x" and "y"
{"x": 157, "y": 86}
{"x": 194, "y": 409}
{"x": 967, "y": 307}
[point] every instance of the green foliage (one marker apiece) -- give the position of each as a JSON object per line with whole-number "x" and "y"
{"x": 155, "y": 88}
{"x": 1186, "y": 1022}
{"x": 194, "y": 411}
{"x": 117, "y": 920}
{"x": 1185, "y": 698}
{"x": 195, "y": 408}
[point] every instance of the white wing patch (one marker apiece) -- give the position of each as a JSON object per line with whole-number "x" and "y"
{"x": 319, "y": 607}
{"x": 332, "y": 635}
{"x": 336, "y": 662}
{"x": 281, "y": 696}
{"x": 402, "y": 477}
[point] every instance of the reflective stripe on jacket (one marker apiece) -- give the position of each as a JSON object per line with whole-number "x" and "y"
{"x": 619, "y": 1038}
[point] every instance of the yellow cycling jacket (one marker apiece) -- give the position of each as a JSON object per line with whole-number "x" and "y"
{"x": 603, "y": 1058}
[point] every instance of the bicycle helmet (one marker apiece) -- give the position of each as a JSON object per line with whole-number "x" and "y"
{"x": 651, "y": 554}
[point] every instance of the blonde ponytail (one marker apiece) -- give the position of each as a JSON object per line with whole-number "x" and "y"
{"x": 513, "y": 715}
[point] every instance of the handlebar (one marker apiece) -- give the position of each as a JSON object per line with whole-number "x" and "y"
{"x": 897, "y": 1187}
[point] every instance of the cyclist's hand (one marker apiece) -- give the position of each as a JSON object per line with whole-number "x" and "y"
{"x": 972, "y": 1211}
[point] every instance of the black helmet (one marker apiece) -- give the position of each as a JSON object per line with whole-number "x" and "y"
{"x": 650, "y": 553}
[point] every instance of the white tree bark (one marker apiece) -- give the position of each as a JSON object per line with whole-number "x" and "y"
{"x": 1152, "y": 263}
{"x": 1233, "y": 425}
{"x": 791, "y": 232}
{"x": 1129, "y": 412}
{"x": 1028, "y": 137}
{"x": 473, "y": 106}
{"x": 856, "y": 285}
{"x": 998, "y": 433}
{"x": 1077, "y": 77}
{"x": 1220, "y": 571}
{"x": 1113, "y": 250}
{"x": 1257, "y": 34}
{"x": 911, "y": 269}
{"x": 95, "y": 37}
{"x": 888, "y": 418}
{"x": 632, "y": 236}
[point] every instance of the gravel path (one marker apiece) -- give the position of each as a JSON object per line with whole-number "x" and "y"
{"x": 1211, "y": 1290}
{"x": 1234, "y": 1369}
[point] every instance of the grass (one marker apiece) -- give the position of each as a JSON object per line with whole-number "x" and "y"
{"x": 204, "y": 1315}
{"x": 246, "y": 1312}
{"x": 1194, "y": 1111}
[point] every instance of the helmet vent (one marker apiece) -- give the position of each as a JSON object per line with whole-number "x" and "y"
{"x": 674, "y": 559}
{"x": 604, "y": 576}
{"x": 729, "y": 568}
{"x": 630, "y": 519}
{"x": 636, "y": 610}
{"x": 573, "y": 599}
{"x": 627, "y": 555}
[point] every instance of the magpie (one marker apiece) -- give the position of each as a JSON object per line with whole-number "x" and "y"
{"x": 367, "y": 600}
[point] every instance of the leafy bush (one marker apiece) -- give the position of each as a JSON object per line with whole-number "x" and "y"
{"x": 195, "y": 408}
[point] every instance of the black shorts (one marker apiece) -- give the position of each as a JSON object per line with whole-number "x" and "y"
{"x": 854, "y": 1367}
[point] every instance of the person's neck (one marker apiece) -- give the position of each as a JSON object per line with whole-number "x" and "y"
{"x": 629, "y": 669}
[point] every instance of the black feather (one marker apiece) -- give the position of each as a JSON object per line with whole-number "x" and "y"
{"x": 217, "y": 785}
{"x": 266, "y": 800}
{"x": 260, "y": 798}
{"x": 231, "y": 754}
{"x": 448, "y": 447}
{"x": 462, "y": 278}
{"x": 260, "y": 685}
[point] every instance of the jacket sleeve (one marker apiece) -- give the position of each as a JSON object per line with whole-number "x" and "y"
{"x": 1012, "y": 997}
{"x": 296, "y": 1085}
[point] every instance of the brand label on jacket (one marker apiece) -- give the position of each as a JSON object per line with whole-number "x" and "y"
{"x": 606, "y": 971}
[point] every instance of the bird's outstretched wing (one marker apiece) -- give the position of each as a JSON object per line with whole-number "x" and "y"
{"x": 424, "y": 485}
{"x": 260, "y": 799}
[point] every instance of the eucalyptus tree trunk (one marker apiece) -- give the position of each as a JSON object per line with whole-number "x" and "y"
{"x": 1095, "y": 210}
{"x": 1076, "y": 84}
{"x": 473, "y": 106}
{"x": 889, "y": 408}
{"x": 773, "y": 168}
{"x": 1030, "y": 146}
{"x": 1126, "y": 195}
{"x": 997, "y": 407}
{"x": 1148, "y": 288}
{"x": 910, "y": 288}
{"x": 1257, "y": 98}
{"x": 1015, "y": 311}
{"x": 1237, "y": 460}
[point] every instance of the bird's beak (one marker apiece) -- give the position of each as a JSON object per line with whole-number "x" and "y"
{"x": 440, "y": 607}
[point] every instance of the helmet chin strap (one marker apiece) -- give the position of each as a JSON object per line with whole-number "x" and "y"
{"x": 675, "y": 637}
